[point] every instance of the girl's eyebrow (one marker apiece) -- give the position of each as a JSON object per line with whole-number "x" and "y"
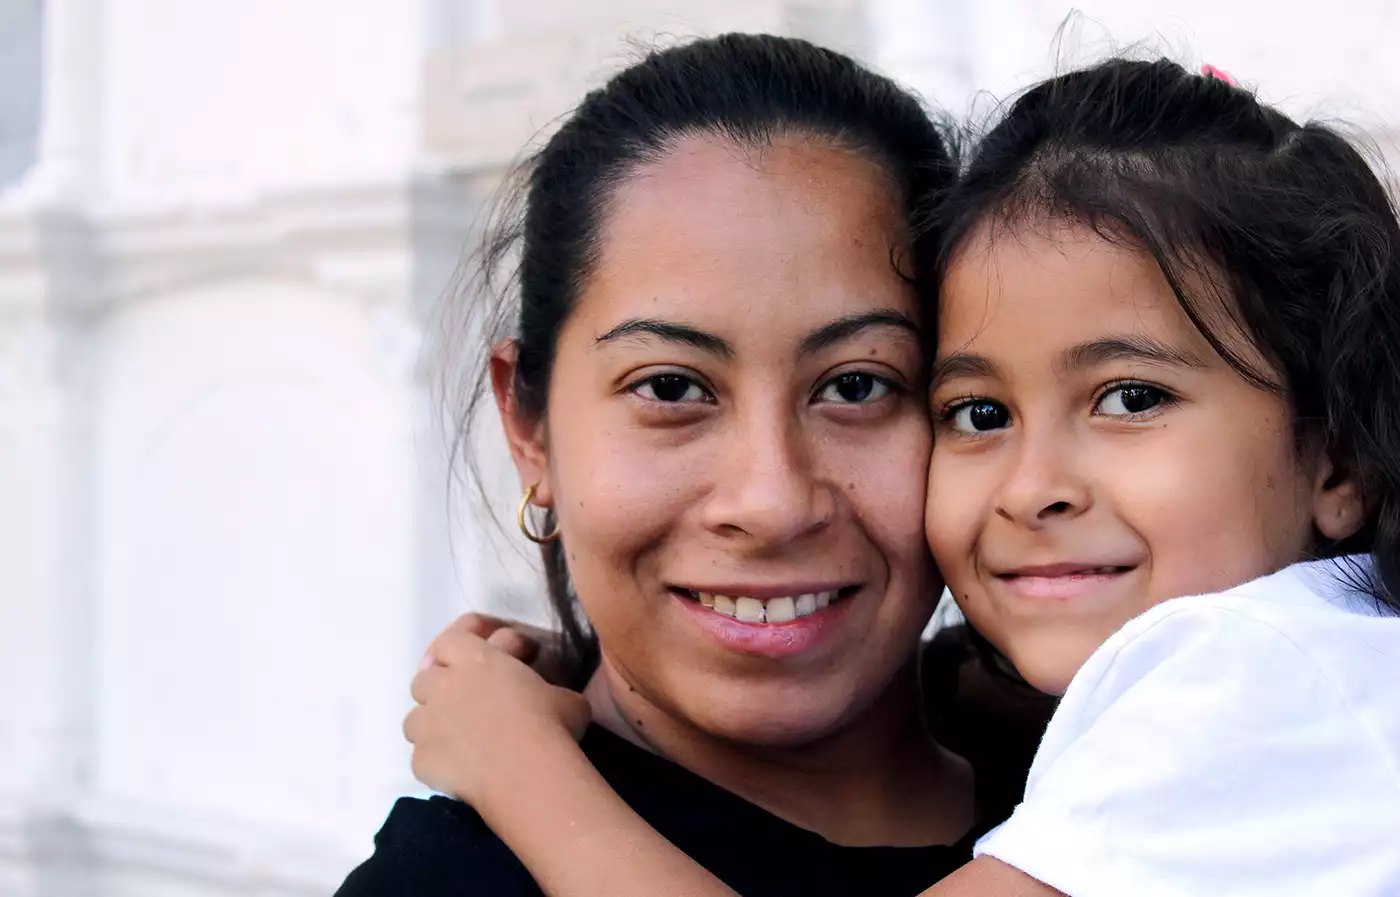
{"x": 1129, "y": 347}
{"x": 963, "y": 364}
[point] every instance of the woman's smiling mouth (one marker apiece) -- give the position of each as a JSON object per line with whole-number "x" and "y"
{"x": 773, "y": 609}
{"x": 773, "y": 623}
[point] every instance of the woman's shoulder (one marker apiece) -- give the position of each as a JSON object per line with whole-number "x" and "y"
{"x": 438, "y": 847}
{"x": 978, "y": 708}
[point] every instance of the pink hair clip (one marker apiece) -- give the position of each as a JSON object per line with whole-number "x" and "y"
{"x": 1210, "y": 71}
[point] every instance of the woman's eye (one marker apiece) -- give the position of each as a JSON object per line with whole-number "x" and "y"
{"x": 854, "y": 388}
{"x": 670, "y": 388}
{"x": 1130, "y": 399}
{"x": 978, "y": 416}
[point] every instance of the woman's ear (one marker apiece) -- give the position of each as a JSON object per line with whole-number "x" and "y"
{"x": 1339, "y": 509}
{"x": 525, "y": 431}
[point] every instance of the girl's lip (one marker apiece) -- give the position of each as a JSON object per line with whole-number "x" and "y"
{"x": 770, "y": 640}
{"x": 1072, "y": 584}
{"x": 1072, "y": 568}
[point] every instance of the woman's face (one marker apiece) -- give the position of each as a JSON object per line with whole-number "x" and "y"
{"x": 736, "y": 440}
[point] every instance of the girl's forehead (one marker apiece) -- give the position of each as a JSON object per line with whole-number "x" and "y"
{"x": 1060, "y": 275}
{"x": 1062, "y": 282}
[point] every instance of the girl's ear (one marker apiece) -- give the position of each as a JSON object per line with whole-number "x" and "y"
{"x": 525, "y": 431}
{"x": 1339, "y": 509}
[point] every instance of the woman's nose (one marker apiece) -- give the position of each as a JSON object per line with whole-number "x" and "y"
{"x": 769, "y": 488}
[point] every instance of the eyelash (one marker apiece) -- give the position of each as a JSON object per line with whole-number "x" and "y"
{"x": 1168, "y": 399}
{"x": 651, "y": 379}
{"x": 891, "y": 387}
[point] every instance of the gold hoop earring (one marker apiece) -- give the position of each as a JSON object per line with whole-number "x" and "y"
{"x": 524, "y": 527}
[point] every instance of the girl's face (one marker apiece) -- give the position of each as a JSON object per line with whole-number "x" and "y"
{"x": 736, "y": 424}
{"x": 1094, "y": 457}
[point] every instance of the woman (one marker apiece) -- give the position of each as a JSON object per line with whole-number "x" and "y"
{"x": 715, "y": 388}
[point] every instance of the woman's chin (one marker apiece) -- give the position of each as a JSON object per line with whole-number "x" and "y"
{"x": 785, "y": 723}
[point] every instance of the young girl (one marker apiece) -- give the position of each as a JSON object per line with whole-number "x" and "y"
{"x": 1167, "y": 366}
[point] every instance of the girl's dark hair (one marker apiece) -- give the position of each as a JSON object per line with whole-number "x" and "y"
{"x": 742, "y": 88}
{"x": 1282, "y": 227}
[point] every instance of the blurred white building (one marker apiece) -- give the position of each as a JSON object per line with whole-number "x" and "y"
{"x": 224, "y": 527}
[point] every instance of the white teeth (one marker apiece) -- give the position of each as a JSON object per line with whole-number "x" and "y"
{"x": 780, "y": 610}
{"x": 748, "y": 610}
{"x": 784, "y": 609}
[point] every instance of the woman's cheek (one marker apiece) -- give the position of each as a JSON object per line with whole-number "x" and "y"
{"x": 619, "y": 489}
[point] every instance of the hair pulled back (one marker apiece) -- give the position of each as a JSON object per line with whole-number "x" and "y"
{"x": 1284, "y": 227}
{"x": 747, "y": 89}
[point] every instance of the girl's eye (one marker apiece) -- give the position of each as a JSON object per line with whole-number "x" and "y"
{"x": 1130, "y": 399}
{"x": 978, "y": 416}
{"x": 671, "y": 388}
{"x": 854, "y": 388}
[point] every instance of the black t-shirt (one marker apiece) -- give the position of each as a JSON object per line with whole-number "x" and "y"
{"x": 442, "y": 848}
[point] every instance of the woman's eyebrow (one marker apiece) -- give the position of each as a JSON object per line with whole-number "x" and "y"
{"x": 845, "y": 327}
{"x": 671, "y": 332}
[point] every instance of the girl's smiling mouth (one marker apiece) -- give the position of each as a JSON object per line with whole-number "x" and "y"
{"x": 1063, "y": 581}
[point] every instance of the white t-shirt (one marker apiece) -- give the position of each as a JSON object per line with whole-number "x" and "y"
{"x": 1242, "y": 744}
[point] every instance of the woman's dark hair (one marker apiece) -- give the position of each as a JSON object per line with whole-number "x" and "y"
{"x": 747, "y": 89}
{"x": 1282, "y": 228}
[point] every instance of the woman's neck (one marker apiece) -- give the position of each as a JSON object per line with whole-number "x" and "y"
{"x": 879, "y": 780}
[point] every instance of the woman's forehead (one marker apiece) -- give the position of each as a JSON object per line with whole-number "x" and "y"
{"x": 716, "y": 239}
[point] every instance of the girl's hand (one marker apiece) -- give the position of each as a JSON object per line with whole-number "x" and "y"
{"x": 482, "y": 713}
{"x": 538, "y": 647}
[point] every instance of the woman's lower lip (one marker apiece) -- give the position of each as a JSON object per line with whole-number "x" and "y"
{"x": 774, "y": 640}
{"x": 1069, "y": 587}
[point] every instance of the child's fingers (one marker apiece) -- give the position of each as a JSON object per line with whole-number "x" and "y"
{"x": 457, "y": 646}
{"x": 479, "y": 625}
{"x": 459, "y": 636}
{"x": 424, "y": 684}
{"x": 515, "y": 644}
{"x": 432, "y": 771}
{"x": 413, "y": 725}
